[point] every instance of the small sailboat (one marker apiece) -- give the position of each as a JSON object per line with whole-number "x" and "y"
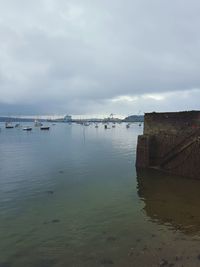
{"x": 128, "y": 125}
{"x": 37, "y": 123}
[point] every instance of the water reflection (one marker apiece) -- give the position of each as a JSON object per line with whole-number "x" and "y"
{"x": 170, "y": 200}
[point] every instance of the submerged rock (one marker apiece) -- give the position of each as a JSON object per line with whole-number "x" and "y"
{"x": 106, "y": 261}
{"x": 50, "y": 192}
{"x": 55, "y": 221}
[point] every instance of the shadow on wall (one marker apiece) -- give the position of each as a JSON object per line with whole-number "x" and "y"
{"x": 170, "y": 200}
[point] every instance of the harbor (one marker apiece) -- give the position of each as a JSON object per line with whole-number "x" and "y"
{"x": 99, "y": 133}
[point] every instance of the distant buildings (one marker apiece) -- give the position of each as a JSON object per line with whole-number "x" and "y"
{"x": 66, "y": 118}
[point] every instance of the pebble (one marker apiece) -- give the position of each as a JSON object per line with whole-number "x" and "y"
{"x": 131, "y": 252}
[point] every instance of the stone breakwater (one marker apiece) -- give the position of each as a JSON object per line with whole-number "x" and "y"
{"x": 171, "y": 142}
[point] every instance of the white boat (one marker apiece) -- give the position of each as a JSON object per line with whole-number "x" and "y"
{"x": 27, "y": 128}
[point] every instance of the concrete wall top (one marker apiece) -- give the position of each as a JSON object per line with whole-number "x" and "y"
{"x": 171, "y": 122}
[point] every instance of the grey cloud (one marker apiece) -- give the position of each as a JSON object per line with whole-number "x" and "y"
{"x": 75, "y": 56}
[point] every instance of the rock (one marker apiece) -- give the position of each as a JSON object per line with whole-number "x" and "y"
{"x": 163, "y": 263}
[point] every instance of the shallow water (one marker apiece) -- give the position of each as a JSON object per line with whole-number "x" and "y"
{"x": 71, "y": 197}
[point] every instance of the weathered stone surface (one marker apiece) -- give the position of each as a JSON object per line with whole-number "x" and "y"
{"x": 171, "y": 122}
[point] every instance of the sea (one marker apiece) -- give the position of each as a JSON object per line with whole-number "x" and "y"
{"x": 71, "y": 197}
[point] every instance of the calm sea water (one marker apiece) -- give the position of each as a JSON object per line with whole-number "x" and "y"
{"x": 71, "y": 197}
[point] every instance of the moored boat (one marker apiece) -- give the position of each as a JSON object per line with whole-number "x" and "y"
{"x": 8, "y": 125}
{"x": 27, "y": 128}
{"x": 44, "y": 128}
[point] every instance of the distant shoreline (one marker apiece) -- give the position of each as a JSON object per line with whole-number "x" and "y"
{"x": 132, "y": 118}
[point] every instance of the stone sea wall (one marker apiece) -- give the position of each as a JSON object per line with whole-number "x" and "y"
{"x": 171, "y": 142}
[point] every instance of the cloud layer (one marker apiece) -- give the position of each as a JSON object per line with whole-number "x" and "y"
{"x": 84, "y": 57}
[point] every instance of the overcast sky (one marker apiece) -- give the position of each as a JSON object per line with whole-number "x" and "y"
{"x": 99, "y": 56}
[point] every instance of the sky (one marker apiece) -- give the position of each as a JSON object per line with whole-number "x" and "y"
{"x": 98, "y": 56}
